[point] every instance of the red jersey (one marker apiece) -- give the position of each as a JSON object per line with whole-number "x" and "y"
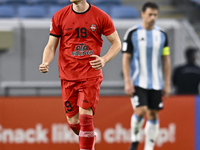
{"x": 80, "y": 37}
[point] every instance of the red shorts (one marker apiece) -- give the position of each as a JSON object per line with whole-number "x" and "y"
{"x": 84, "y": 94}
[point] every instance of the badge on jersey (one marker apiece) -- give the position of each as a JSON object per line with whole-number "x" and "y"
{"x": 93, "y": 27}
{"x": 51, "y": 26}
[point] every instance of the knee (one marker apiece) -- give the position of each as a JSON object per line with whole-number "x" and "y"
{"x": 74, "y": 119}
{"x": 88, "y": 111}
{"x": 152, "y": 115}
{"x": 141, "y": 111}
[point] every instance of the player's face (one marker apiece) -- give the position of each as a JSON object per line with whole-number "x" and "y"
{"x": 150, "y": 16}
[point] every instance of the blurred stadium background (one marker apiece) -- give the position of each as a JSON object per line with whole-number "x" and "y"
{"x": 24, "y": 91}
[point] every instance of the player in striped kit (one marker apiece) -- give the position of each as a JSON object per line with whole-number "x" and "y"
{"x": 143, "y": 49}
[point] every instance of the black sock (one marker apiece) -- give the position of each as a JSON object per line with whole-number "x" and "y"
{"x": 134, "y": 146}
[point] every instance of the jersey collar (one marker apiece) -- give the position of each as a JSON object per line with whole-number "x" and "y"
{"x": 82, "y": 12}
{"x": 155, "y": 27}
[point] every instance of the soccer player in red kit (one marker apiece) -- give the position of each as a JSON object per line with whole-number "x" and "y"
{"x": 79, "y": 27}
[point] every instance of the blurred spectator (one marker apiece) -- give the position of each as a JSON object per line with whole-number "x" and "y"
{"x": 186, "y": 78}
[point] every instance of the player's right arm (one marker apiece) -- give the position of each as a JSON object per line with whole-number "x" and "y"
{"x": 129, "y": 88}
{"x": 49, "y": 53}
{"x": 127, "y": 50}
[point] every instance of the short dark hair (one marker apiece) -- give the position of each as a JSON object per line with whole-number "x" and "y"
{"x": 190, "y": 52}
{"x": 149, "y": 5}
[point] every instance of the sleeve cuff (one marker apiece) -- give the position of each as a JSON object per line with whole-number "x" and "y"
{"x": 54, "y": 35}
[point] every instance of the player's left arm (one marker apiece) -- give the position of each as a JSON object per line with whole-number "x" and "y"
{"x": 167, "y": 67}
{"x": 167, "y": 73}
{"x": 100, "y": 62}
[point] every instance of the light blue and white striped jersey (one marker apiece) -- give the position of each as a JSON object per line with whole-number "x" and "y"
{"x": 146, "y": 47}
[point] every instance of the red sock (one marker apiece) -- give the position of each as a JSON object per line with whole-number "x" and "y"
{"x": 86, "y": 135}
{"x": 75, "y": 128}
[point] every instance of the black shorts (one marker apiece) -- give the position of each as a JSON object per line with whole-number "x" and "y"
{"x": 150, "y": 98}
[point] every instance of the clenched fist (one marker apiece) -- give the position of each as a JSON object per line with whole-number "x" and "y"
{"x": 44, "y": 67}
